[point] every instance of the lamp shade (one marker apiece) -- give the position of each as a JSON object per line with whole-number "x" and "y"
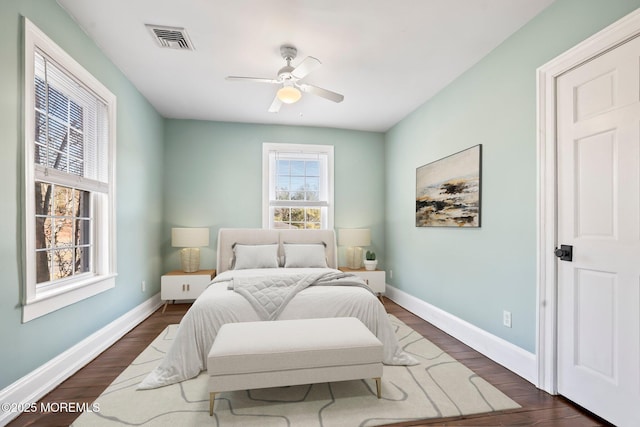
{"x": 289, "y": 94}
{"x": 189, "y": 237}
{"x": 354, "y": 237}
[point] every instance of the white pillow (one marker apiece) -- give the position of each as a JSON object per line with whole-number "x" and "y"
{"x": 304, "y": 255}
{"x": 255, "y": 256}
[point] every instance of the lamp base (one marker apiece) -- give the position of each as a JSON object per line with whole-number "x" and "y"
{"x": 190, "y": 258}
{"x": 354, "y": 257}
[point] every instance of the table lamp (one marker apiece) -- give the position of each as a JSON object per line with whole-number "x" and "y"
{"x": 354, "y": 239}
{"x": 191, "y": 239}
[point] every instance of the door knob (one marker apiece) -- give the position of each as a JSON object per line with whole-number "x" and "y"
{"x": 564, "y": 252}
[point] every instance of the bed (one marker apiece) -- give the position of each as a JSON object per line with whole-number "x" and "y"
{"x": 272, "y": 275}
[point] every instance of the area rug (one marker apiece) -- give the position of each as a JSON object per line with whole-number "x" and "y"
{"x": 438, "y": 387}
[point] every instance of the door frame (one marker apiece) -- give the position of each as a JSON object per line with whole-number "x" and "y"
{"x": 609, "y": 38}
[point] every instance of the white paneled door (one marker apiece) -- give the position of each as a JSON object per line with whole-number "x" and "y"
{"x": 598, "y": 163}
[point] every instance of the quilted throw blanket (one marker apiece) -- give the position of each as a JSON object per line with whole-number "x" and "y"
{"x": 269, "y": 295}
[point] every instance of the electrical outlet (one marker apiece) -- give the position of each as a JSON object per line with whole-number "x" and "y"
{"x": 506, "y": 318}
{"x": 390, "y": 274}
{"x": 144, "y": 286}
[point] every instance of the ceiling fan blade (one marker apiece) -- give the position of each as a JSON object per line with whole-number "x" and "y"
{"x": 305, "y": 67}
{"x": 324, "y": 93}
{"x": 275, "y": 105}
{"x": 251, "y": 79}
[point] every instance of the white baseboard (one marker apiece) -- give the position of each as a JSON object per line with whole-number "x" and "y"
{"x": 33, "y": 386}
{"x": 495, "y": 348}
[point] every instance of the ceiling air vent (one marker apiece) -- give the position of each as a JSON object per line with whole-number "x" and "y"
{"x": 171, "y": 37}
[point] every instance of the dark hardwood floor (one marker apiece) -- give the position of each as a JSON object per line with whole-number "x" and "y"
{"x": 538, "y": 407}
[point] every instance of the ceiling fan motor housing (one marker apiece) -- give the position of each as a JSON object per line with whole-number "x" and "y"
{"x": 285, "y": 72}
{"x": 289, "y": 53}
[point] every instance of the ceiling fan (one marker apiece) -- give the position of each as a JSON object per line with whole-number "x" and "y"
{"x": 289, "y": 79}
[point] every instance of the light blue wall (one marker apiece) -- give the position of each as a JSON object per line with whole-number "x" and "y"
{"x": 139, "y": 196}
{"x": 475, "y": 274}
{"x": 213, "y": 178}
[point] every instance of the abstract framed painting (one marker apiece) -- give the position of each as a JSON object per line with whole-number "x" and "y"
{"x": 448, "y": 190}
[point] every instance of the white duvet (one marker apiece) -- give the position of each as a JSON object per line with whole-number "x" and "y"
{"x": 218, "y": 305}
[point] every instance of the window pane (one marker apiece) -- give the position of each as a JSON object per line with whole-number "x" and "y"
{"x": 281, "y": 214}
{"x": 76, "y": 155}
{"x": 282, "y": 218}
{"x": 283, "y": 195}
{"x": 58, "y": 104}
{"x": 297, "y": 168}
{"x": 82, "y": 204}
{"x": 313, "y": 215}
{"x": 43, "y": 233}
{"x": 312, "y": 183}
{"x": 62, "y": 201}
{"x": 63, "y": 230}
{"x": 40, "y": 93}
{"x": 282, "y": 167}
{"x": 283, "y": 183}
{"x": 313, "y": 168}
{"x": 76, "y": 143}
{"x": 57, "y": 136}
{"x": 297, "y": 183}
{"x": 82, "y": 260}
{"x": 76, "y": 167}
{"x": 43, "y": 266}
{"x": 41, "y": 128}
{"x": 297, "y": 188}
{"x": 62, "y": 263}
{"x": 43, "y": 198}
{"x": 297, "y": 215}
{"x": 83, "y": 231}
{"x": 43, "y": 224}
{"x": 40, "y": 155}
{"x": 76, "y": 116}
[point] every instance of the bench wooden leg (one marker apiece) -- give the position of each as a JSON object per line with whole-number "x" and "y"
{"x": 379, "y": 387}
{"x": 212, "y": 397}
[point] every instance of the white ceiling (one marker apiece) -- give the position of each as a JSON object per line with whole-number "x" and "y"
{"x": 386, "y": 57}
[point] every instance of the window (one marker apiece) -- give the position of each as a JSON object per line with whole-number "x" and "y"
{"x": 69, "y": 188}
{"x": 297, "y": 186}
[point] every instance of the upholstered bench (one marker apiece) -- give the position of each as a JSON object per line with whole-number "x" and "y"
{"x": 250, "y": 355}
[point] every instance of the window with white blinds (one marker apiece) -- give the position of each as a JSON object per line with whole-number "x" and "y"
{"x": 298, "y": 186}
{"x": 71, "y": 127}
{"x": 70, "y": 193}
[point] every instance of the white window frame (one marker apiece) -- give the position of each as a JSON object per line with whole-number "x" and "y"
{"x": 269, "y": 174}
{"x": 42, "y": 300}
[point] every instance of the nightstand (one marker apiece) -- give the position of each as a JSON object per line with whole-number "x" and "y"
{"x": 178, "y": 285}
{"x": 375, "y": 279}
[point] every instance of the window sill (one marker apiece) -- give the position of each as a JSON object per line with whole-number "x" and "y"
{"x": 63, "y": 297}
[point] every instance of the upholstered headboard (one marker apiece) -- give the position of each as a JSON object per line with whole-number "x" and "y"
{"x": 227, "y": 237}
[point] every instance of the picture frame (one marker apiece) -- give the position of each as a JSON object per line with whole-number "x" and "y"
{"x": 448, "y": 190}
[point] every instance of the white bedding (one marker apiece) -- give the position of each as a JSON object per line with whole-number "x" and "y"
{"x": 218, "y": 305}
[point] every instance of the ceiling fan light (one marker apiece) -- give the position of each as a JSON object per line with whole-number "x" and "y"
{"x": 289, "y": 94}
